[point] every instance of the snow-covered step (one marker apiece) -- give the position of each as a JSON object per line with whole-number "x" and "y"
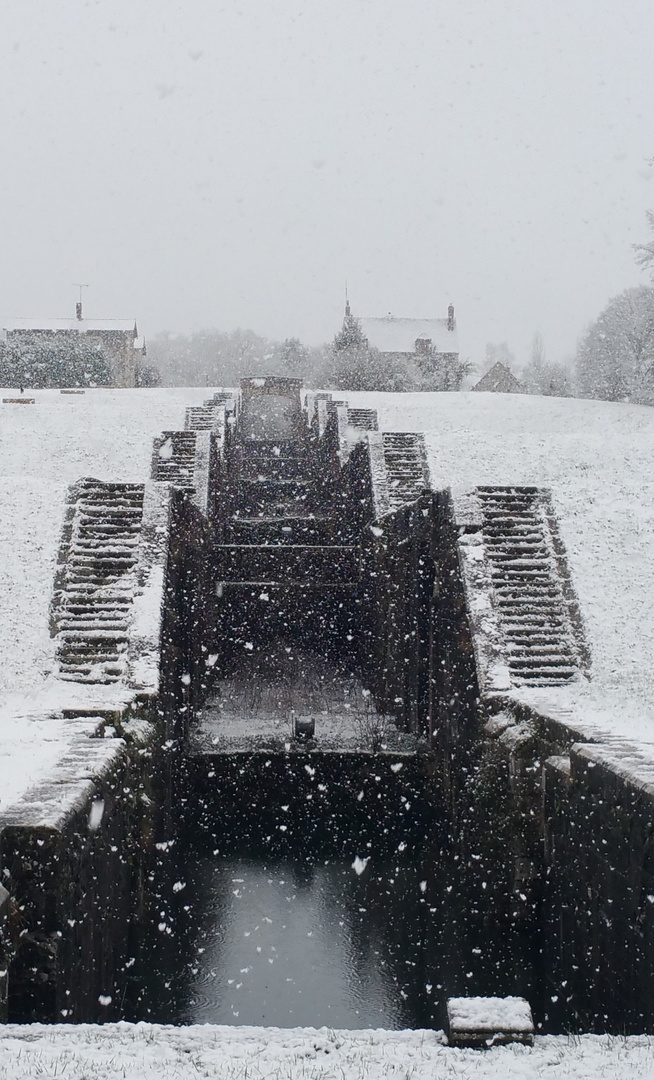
{"x": 404, "y": 458}
{"x": 364, "y": 419}
{"x": 173, "y": 458}
{"x": 201, "y": 418}
{"x": 93, "y": 593}
{"x": 540, "y": 646}
{"x": 223, "y": 397}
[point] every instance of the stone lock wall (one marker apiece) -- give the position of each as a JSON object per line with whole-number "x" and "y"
{"x": 74, "y": 868}
{"x": 397, "y": 614}
{"x": 599, "y": 896}
{"x": 554, "y": 823}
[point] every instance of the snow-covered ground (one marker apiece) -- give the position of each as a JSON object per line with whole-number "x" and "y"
{"x": 106, "y": 434}
{"x": 598, "y": 460}
{"x": 596, "y": 457}
{"x": 149, "y": 1052}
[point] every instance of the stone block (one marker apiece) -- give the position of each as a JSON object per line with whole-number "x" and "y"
{"x": 489, "y": 1021}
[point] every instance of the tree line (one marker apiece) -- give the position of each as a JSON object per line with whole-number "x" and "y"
{"x": 215, "y": 358}
{"x": 614, "y": 360}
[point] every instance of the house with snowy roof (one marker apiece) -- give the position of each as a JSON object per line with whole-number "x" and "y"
{"x": 50, "y": 349}
{"x": 431, "y": 344}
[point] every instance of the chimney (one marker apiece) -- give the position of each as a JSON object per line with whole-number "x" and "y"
{"x": 78, "y": 310}
{"x": 450, "y": 317}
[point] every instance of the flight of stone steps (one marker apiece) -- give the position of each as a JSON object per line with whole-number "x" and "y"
{"x": 173, "y": 459}
{"x": 210, "y": 415}
{"x": 200, "y": 417}
{"x": 223, "y": 397}
{"x": 406, "y": 467}
{"x": 94, "y": 586}
{"x": 541, "y": 648}
{"x": 364, "y": 419}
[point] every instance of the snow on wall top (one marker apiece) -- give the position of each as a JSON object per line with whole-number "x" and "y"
{"x": 397, "y": 335}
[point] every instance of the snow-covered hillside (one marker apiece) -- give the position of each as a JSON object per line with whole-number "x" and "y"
{"x": 596, "y": 457}
{"x": 45, "y": 447}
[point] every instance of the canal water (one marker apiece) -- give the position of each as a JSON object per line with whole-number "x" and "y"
{"x": 377, "y": 937}
{"x": 285, "y": 943}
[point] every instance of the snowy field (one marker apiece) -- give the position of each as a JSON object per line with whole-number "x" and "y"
{"x": 596, "y": 457}
{"x": 152, "y": 1052}
{"x": 106, "y": 434}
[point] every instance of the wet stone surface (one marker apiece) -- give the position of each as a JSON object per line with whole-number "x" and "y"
{"x": 257, "y": 706}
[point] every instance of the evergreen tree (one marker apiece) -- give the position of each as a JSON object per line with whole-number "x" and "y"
{"x": 147, "y": 374}
{"x": 292, "y": 358}
{"x": 352, "y": 362}
{"x": 43, "y": 362}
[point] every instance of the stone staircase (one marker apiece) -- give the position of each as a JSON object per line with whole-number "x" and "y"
{"x": 94, "y": 586}
{"x": 173, "y": 459}
{"x": 528, "y": 594}
{"x": 200, "y": 417}
{"x": 406, "y": 467}
{"x": 364, "y": 419}
{"x": 223, "y": 397}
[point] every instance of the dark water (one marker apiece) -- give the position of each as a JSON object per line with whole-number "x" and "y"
{"x": 286, "y": 941}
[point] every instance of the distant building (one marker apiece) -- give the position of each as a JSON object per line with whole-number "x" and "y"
{"x": 500, "y": 380}
{"x": 432, "y": 344}
{"x": 52, "y": 348}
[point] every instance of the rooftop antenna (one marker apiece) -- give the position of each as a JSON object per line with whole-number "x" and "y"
{"x": 347, "y": 302}
{"x": 78, "y": 305}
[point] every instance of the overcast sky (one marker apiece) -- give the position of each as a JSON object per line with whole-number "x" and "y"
{"x": 222, "y": 164}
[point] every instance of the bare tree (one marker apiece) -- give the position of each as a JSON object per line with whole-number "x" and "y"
{"x": 616, "y": 354}
{"x": 645, "y": 252}
{"x": 541, "y": 377}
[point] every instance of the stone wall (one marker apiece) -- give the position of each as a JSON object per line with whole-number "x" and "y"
{"x": 553, "y": 821}
{"x": 76, "y": 851}
{"x": 74, "y": 857}
{"x": 397, "y": 613}
{"x": 561, "y": 833}
{"x": 598, "y": 903}
{"x": 186, "y": 616}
